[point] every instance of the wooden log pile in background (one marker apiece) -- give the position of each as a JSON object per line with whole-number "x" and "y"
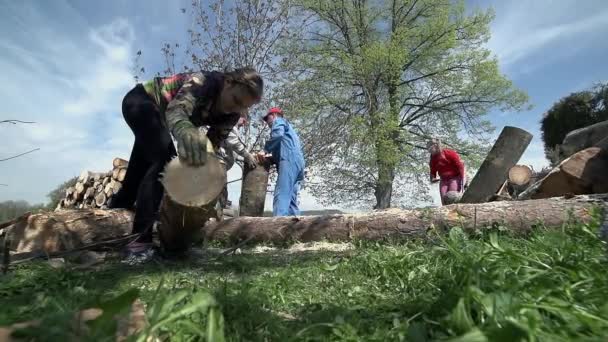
{"x": 94, "y": 189}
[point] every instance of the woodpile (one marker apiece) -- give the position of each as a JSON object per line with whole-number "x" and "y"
{"x": 94, "y": 189}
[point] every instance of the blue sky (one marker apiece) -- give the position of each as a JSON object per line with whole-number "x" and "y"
{"x": 67, "y": 65}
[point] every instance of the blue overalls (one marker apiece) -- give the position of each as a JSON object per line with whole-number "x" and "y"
{"x": 284, "y": 144}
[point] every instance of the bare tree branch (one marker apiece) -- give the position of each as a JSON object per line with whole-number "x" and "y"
{"x": 19, "y": 155}
{"x": 14, "y": 122}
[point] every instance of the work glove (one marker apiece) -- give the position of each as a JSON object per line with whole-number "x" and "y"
{"x": 250, "y": 161}
{"x": 191, "y": 143}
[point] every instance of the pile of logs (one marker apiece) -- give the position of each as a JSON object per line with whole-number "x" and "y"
{"x": 94, "y": 189}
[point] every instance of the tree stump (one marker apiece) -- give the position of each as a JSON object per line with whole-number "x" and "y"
{"x": 253, "y": 190}
{"x": 506, "y": 152}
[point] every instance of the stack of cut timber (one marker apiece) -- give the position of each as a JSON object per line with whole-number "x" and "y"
{"x": 94, "y": 189}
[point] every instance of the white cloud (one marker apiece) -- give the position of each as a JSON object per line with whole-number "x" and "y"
{"x": 71, "y": 83}
{"x": 548, "y": 29}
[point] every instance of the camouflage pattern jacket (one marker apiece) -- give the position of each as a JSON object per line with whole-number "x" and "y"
{"x": 191, "y": 96}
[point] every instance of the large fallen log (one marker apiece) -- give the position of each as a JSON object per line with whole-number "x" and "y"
{"x": 508, "y": 148}
{"x": 67, "y": 229}
{"x": 583, "y": 138}
{"x": 519, "y": 216}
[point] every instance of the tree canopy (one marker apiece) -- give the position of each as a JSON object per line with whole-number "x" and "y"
{"x": 577, "y": 110}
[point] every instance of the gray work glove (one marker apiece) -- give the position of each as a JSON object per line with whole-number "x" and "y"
{"x": 250, "y": 161}
{"x": 191, "y": 143}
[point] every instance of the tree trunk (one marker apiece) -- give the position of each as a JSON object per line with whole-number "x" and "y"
{"x": 67, "y": 229}
{"x": 384, "y": 186}
{"x": 253, "y": 191}
{"x": 118, "y": 162}
{"x": 519, "y": 216}
{"x": 508, "y": 148}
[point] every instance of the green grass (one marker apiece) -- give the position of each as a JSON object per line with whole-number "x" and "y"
{"x": 549, "y": 286}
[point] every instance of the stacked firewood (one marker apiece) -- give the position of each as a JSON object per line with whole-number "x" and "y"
{"x": 94, "y": 189}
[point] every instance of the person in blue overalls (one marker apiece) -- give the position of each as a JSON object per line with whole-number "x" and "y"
{"x": 286, "y": 153}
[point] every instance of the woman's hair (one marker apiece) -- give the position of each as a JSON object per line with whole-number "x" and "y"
{"x": 249, "y": 78}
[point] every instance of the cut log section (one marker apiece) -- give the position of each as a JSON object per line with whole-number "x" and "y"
{"x": 116, "y": 186}
{"x": 519, "y": 216}
{"x": 106, "y": 181}
{"x": 118, "y": 162}
{"x": 108, "y": 189}
{"x": 100, "y": 199}
{"x": 253, "y": 191}
{"x": 520, "y": 175}
{"x": 115, "y": 173}
{"x": 121, "y": 175}
{"x": 79, "y": 190}
{"x": 507, "y": 150}
{"x": 89, "y": 193}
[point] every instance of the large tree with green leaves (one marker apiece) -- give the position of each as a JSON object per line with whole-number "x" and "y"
{"x": 376, "y": 79}
{"x": 577, "y": 110}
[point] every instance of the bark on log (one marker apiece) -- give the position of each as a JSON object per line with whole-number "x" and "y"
{"x": 506, "y": 152}
{"x": 253, "y": 190}
{"x": 118, "y": 162}
{"x": 179, "y": 224}
{"x": 67, "y": 229}
{"x": 519, "y": 216}
{"x": 583, "y": 138}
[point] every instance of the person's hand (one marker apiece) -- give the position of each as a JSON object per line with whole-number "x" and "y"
{"x": 250, "y": 161}
{"x": 260, "y": 156}
{"x": 191, "y": 144}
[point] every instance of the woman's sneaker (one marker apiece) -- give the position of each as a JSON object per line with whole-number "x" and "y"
{"x": 138, "y": 253}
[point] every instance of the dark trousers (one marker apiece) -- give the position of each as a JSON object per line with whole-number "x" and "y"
{"x": 152, "y": 149}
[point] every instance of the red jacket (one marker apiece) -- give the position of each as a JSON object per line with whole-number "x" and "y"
{"x": 447, "y": 164}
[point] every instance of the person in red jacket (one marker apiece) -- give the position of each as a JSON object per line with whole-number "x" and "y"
{"x": 449, "y": 166}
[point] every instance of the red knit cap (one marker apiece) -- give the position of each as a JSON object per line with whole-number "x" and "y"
{"x": 273, "y": 110}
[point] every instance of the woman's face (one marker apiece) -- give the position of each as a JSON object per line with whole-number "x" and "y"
{"x": 434, "y": 148}
{"x": 235, "y": 98}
